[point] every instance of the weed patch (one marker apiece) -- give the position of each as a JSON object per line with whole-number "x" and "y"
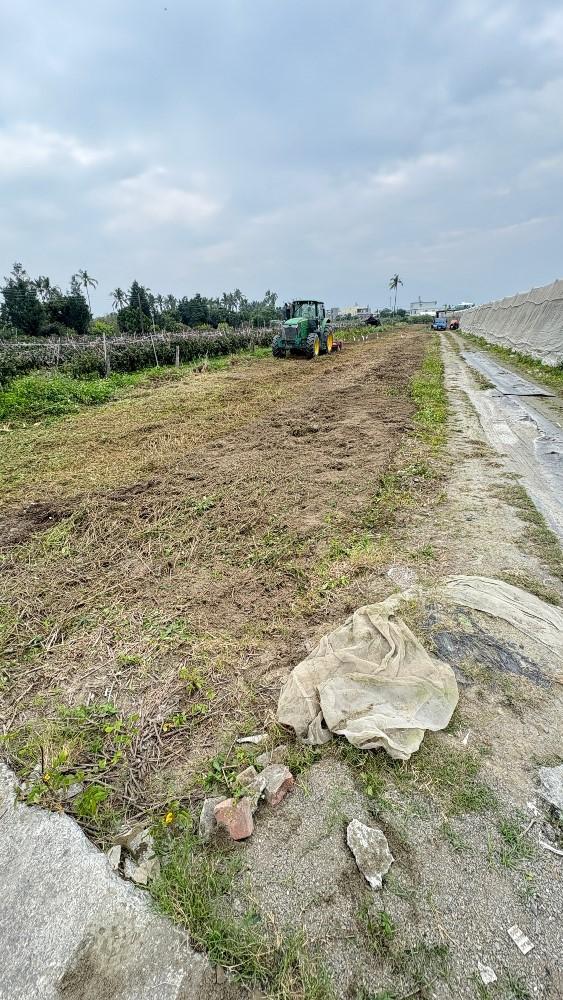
{"x": 191, "y": 890}
{"x": 540, "y": 539}
{"x": 75, "y": 759}
{"x": 378, "y": 927}
{"x": 447, "y": 776}
{"x": 514, "y": 847}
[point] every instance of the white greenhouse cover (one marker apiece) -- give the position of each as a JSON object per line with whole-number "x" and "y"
{"x": 530, "y": 323}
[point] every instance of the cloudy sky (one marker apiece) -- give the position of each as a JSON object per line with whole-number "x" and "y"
{"x": 313, "y": 147}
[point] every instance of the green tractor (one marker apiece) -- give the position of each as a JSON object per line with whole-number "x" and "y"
{"x": 306, "y": 330}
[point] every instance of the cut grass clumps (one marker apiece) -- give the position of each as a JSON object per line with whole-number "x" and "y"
{"x": 192, "y": 889}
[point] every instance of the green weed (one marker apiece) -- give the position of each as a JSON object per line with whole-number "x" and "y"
{"x": 191, "y": 889}
{"x": 515, "y": 987}
{"x": 514, "y": 847}
{"x": 454, "y": 839}
{"x": 378, "y": 927}
{"x": 86, "y": 745}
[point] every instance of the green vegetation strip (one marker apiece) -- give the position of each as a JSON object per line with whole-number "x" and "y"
{"x": 42, "y": 394}
{"x": 430, "y": 397}
{"x": 539, "y": 538}
{"x": 552, "y": 377}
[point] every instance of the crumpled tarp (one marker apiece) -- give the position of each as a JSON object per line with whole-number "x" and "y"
{"x": 373, "y": 682}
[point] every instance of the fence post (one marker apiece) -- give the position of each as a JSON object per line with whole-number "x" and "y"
{"x": 177, "y": 362}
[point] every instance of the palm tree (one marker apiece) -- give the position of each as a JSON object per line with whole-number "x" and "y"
{"x": 119, "y": 298}
{"x": 43, "y": 286}
{"x": 394, "y": 283}
{"x": 87, "y": 282}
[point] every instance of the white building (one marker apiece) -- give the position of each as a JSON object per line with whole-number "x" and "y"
{"x": 422, "y": 308}
{"x": 354, "y": 312}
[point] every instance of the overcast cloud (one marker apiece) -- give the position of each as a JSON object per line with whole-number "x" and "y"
{"x": 310, "y": 147}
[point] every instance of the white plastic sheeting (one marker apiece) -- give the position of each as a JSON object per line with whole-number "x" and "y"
{"x": 373, "y": 682}
{"x": 530, "y": 323}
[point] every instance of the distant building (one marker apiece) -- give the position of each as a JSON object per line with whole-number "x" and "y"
{"x": 422, "y": 308}
{"x": 353, "y": 312}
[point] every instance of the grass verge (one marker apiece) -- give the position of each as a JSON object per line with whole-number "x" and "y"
{"x": 539, "y": 538}
{"x": 552, "y": 377}
{"x": 44, "y": 394}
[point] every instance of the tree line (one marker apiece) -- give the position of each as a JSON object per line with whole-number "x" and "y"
{"x": 37, "y": 307}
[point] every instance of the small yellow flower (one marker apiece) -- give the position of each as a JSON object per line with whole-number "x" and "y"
{"x": 169, "y": 818}
{"x": 46, "y": 776}
{"x": 165, "y": 727}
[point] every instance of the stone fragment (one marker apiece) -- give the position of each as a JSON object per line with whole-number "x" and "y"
{"x": 114, "y": 856}
{"x": 487, "y": 974}
{"x": 207, "y": 822}
{"x": 264, "y": 759}
{"x": 551, "y": 785}
{"x": 247, "y": 776}
{"x": 371, "y": 851}
{"x": 278, "y": 782}
{"x": 133, "y": 837}
{"x": 257, "y": 739}
{"x": 145, "y": 850}
{"x": 140, "y": 874}
{"x": 236, "y": 817}
{"x": 252, "y": 783}
{"x": 130, "y": 868}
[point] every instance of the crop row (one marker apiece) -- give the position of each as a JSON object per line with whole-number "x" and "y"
{"x": 80, "y": 360}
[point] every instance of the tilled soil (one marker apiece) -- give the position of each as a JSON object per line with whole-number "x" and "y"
{"x": 212, "y": 559}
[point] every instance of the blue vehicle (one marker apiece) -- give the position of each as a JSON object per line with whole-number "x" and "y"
{"x": 440, "y": 323}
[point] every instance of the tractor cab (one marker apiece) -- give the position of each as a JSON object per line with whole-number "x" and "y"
{"x": 305, "y": 330}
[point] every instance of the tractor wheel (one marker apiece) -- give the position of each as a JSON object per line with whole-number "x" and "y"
{"x": 278, "y": 351}
{"x": 313, "y": 345}
{"x": 329, "y": 343}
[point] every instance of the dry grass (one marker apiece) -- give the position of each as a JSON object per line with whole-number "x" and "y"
{"x": 183, "y": 595}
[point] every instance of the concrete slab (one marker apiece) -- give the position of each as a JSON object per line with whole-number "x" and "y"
{"x": 70, "y": 929}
